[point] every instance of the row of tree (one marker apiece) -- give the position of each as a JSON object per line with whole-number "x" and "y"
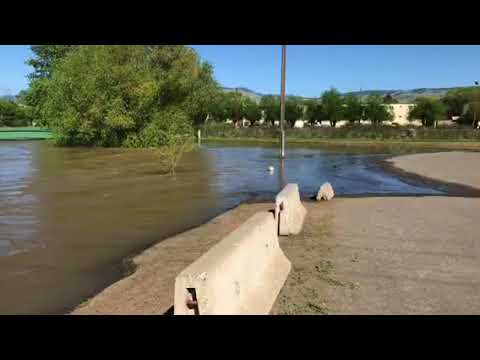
{"x": 463, "y": 103}
{"x": 332, "y": 106}
{"x": 12, "y": 114}
{"x": 135, "y": 95}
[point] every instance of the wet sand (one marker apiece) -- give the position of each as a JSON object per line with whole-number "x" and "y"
{"x": 385, "y": 255}
{"x": 451, "y": 167}
{"x": 150, "y": 289}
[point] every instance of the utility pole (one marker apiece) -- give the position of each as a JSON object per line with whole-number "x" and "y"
{"x": 475, "y": 104}
{"x": 282, "y": 101}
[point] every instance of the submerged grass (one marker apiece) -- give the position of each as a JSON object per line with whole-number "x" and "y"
{"x": 351, "y": 134}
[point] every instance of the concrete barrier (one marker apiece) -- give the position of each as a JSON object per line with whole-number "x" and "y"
{"x": 241, "y": 275}
{"x": 289, "y": 211}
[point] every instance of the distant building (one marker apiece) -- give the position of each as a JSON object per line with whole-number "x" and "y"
{"x": 299, "y": 124}
{"x": 400, "y": 113}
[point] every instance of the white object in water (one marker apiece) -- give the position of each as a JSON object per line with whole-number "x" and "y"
{"x": 271, "y": 169}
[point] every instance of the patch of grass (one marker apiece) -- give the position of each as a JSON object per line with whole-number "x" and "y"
{"x": 317, "y": 309}
{"x": 349, "y": 133}
{"x": 309, "y": 307}
{"x": 84, "y": 303}
{"x": 326, "y": 268}
{"x": 353, "y": 286}
{"x": 306, "y": 300}
{"x": 327, "y": 271}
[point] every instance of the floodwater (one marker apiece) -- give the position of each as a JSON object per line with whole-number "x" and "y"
{"x": 70, "y": 217}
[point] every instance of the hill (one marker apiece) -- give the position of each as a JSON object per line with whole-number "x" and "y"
{"x": 403, "y": 96}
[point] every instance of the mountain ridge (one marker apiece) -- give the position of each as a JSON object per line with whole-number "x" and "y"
{"x": 403, "y": 96}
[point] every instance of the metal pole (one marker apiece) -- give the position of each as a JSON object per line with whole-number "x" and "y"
{"x": 475, "y": 104}
{"x": 282, "y": 101}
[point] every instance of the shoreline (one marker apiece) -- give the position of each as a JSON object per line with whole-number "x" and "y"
{"x": 449, "y": 189}
{"x": 437, "y": 144}
{"x": 142, "y": 266}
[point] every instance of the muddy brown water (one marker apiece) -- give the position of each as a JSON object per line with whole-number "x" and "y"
{"x": 70, "y": 217}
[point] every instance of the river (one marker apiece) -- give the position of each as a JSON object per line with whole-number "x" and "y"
{"x": 70, "y": 217}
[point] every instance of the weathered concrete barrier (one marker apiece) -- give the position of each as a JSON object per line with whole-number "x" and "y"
{"x": 242, "y": 274}
{"x": 289, "y": 211}
{"x": 325, "y": 192}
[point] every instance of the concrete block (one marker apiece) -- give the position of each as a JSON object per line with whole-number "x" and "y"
{"x": 325, "y": 192}
{"x": 241, "y": 275}
{"x": 289, "y": 211}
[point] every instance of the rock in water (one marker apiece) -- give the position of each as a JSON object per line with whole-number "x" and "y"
{"x": 325, "y": 192}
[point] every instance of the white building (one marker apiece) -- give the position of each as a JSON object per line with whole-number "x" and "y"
{"x": 400, "y": 113}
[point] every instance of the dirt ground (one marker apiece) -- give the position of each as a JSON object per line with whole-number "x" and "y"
{"x": 391, "y": 255}
{"x": 385, "y": 256}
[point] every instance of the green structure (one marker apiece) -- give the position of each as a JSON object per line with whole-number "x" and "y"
{"x": 24, "y": 133}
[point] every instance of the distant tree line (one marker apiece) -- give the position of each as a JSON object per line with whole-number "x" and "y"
{"x": 153, "y": 96}
{"x": 465, "y": 104}
{"x": 13, "y": 114}
{"x": 333, "y": 107}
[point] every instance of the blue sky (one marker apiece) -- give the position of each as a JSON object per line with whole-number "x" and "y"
{"x": 311, "y": 69}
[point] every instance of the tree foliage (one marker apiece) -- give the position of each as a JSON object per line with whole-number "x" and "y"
{"x": 332, "y": 103}
{"x": 103, "y": 95}
{"x": 314, "y": 111}
{"x": 465, "y": 103}
{"x": 376, "y": 111}
{"x": 354, "y": 110}
{"x": 293, "y": 110}
{"x": 45, "y": 58}
{"x": 251, "y": 111}
{"x": 455, "y": 102}
{"x": 12, "y": 114}
{"x": 429, "y": 110}
{"x": 271, "y": 108}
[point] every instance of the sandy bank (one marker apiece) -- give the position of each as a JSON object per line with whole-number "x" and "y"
{"x": 453, "y": 167}
{"x": 354, "y": 256}
{"x": 385, "y": 256}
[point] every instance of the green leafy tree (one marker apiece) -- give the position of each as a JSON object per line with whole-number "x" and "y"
{"x": 464, "y": 102}
{"x": 314, "y": 111}
{"x": 169, "y": 134}
{"x": 252, "y": 111}
{"x": 45, "y": 57}
{"x": 455, "y": 102}
{"x": 376, "y": 111}
{"x": 293, "y": 111}
{"x": 223, "y": 107}
{"x": 104, "y": 95}
{"x": 429, "y": 110}
{"x": 43, "y": 62}
{"x": 474, "y": 107}
{"x": 354, "y": 110}
{"x": 12, "y": 114}
{"x": 332, "y": 104}
{"x": 234, "y": 107}
{"x": 271, "y": 108}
